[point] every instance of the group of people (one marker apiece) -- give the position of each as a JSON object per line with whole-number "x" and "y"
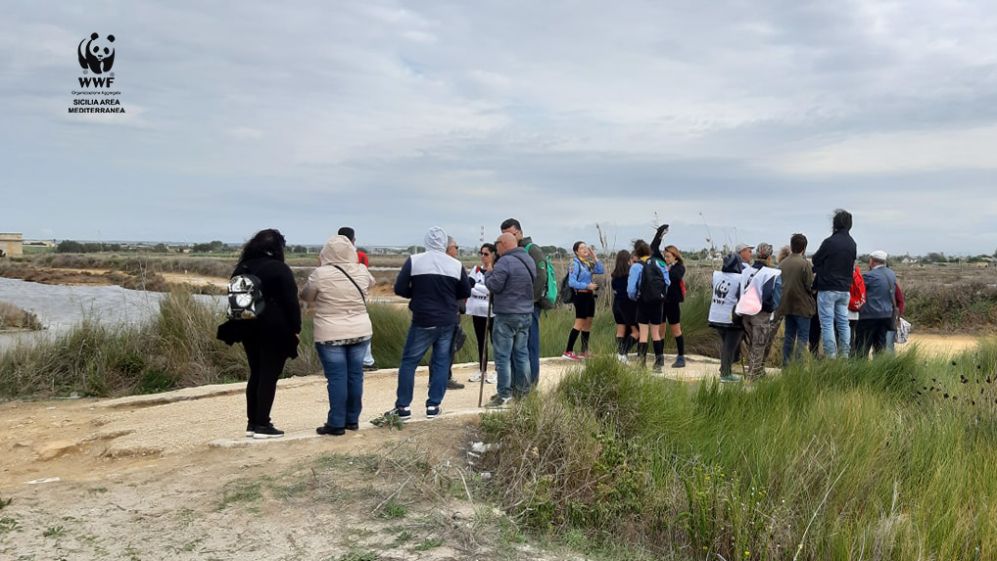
{"x": 504, "y": 297}
{"x": 827, "y": 301}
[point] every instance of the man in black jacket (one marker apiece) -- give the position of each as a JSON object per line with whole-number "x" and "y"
{"x": 834, "y": 263}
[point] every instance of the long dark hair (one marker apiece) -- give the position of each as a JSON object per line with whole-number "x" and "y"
{"x": 266, "y": 243}
{"x": 622, "y": 268}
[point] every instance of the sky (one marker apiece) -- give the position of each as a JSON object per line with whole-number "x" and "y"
{"x": 730, "y": 120}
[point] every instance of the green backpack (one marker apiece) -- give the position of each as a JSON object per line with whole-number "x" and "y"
{"x": 548, "y": 300}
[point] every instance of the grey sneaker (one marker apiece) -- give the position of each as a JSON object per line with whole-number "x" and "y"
{"x": 498, "y": 401}
{"x": 729, "y": 378}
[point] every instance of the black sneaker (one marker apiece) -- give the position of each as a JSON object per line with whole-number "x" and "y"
{"x": 269, "y": 431}
{"x": 354, "y": 426}
{"x": 454, "y": 385}
{"x": 250, "y": 430}
{"x": 659, "y": 363}
{"x": 327, "y": 430}
{"x": 434, "y": 411}
{"x": 403, "y": 413}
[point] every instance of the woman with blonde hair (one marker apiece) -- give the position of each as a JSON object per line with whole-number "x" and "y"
{"x": 673, "y": 300}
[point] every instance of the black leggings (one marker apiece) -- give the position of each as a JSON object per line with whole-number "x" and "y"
{"x": 265, "y": 365}
{"x": 482, "y": 326}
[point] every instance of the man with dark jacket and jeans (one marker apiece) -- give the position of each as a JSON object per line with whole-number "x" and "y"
{"x": 434, "y": 282}
{"x": 876, "y": 316}
{"x": 510, "y": 282}
{"x": 512, "y": 226}
{"x": 833, "y": 265}
{"x": 798, "y": 304}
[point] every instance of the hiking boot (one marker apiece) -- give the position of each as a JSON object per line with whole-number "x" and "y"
{"x": 729, "y": 378}
{"x": 454, "y": 385}
{"x": 352, "y": 426}
{"x": 570, "y": 355}
{"x": 327, "y": 430}
{"x": 269, "y": 431}
{"x": 679, "y": 362}
{"x": 403, "y": 413}
{"x": 659, "y": 363}
{"x": 491, "y": 378}
{"x": 498, "y": 401}
{"x": 434, "y": 411}
{"x": 476, "y": 377}
{"x": 369, "y": 367}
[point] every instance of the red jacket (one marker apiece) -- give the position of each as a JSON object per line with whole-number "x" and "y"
{"x": 362, "y": 258}
{"x": 857, "y": 299}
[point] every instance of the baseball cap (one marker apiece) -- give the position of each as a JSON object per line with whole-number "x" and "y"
{"x": 879, "y": 255}
{"x": 741, "y": 247}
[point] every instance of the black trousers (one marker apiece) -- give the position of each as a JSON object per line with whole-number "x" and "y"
{"x": 482, "y": 327}
{"x": 730, "y": 341}
{"x": 871, "y": 334}
{"x": 266, "y": 363}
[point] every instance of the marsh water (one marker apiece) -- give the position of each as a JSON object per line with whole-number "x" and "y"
{"x": 61, "y": 307}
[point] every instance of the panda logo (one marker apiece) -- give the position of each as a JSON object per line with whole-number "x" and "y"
{"x": 96, "y": 54}
{"x": 722, "y": 289}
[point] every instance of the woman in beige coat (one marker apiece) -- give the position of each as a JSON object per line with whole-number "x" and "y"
{"x": 337, "y": 293}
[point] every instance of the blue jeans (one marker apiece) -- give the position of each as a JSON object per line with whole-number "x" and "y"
{"x": 343, "y": 366}
{"x": 797, "y": 338}
{"x": 419, "y": 340}
{"x": 832, "y": 306}
{"x": 891, "y": 337}
{"x": 533, "y": 346}
{"x": 510, "y": 336}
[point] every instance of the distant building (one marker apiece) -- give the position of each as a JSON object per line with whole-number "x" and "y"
{"x": 11, "y": 244}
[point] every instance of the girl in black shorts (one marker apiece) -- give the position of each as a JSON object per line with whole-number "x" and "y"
{"x": 624, "y": 309}
{"x": 581, "y": 278}
{"x": 674, "y": 298}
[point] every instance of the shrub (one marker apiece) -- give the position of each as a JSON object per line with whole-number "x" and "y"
{"x": 830, "y": 460}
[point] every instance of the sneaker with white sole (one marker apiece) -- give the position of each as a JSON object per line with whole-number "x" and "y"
{"x": 403, "y": 413}
{"x": 476, "y": 377}
{"x": 433, "y": 411}
{"x": 491, "y": 378}
{"x": 498, "y": 401}
{"x": 269, "y": 431}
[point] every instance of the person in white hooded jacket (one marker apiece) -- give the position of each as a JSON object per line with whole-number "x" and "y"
{"x": 478, "y": 309}
{"x": 337, "y": 293}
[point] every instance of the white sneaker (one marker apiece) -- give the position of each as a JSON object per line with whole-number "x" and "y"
{"x": 476, "y": 377}
{"x": 622, "y": 358}
{"x": 491, "y": 378}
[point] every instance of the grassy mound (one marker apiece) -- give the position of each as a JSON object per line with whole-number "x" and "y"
{"x": 12, "y": 317}
{"x": 889, "y": 459}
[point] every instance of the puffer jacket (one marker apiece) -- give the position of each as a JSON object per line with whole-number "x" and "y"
{"x": 856, "y": 296}
{"x": 340, "y": 310}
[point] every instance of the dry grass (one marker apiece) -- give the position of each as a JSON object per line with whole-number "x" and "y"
{"x": 14, "y": 318}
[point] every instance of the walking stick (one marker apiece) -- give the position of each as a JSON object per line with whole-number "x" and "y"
{"x": 484, "y": 356}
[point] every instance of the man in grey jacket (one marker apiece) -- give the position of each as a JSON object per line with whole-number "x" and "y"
{"x": 876, "y": 316}
{"x": 510, "y": 281}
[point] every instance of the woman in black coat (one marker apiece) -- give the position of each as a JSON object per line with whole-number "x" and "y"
{"x": 272, "y": 337}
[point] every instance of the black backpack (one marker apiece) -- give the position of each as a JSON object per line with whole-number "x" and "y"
{"x": 652, "y": 283}
{"x": 567, "y": 293}
{"x": 245, "y": 297}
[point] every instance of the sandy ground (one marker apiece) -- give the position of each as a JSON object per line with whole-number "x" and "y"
{"x": 172, "y": 475}
{"x": 195, "y": 280}
{"x": 133, "y": 477}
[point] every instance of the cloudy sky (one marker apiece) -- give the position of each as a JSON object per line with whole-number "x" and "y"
{"x": 747, "y": 120}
